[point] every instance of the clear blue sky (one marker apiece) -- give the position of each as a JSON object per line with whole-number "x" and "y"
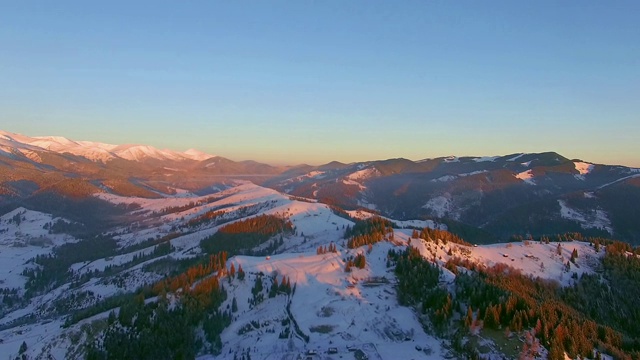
{"x": 314, "y": 81}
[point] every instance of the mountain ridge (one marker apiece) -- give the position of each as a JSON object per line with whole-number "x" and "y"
{"x": 513, "y": 194}
{"x": 103, "y": 152}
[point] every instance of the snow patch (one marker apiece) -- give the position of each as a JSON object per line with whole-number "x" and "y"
{"x": 310, "y": 175}
{"x": 597, "y": 219}
{"x": 526, "y": 176}
{"x": 516, "y": 157}
{"x": 486, "y": 159}
{"x": 583, "y": 169}
{"x": 439, "y": 205}
{"x": 354, "y": 183}
{"x": 473, "y": 173}
{"x": 619, "y": 180}
{"x": 363, "y": 174}
{"x": 444, "y": 178}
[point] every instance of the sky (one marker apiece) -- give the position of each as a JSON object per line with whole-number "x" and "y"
{"x": 289, "y": 82}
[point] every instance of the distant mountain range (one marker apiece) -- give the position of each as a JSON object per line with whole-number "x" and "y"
{"x": 483, "y": 198}
{"x": 94, "y": 151}
{"x": 32, "y": 165}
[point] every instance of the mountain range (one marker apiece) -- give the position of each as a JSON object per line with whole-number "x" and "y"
{"x": 118, "y": 252}
{"x": 487, "y": 199}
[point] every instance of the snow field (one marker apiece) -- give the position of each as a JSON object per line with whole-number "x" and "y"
{"x": 334, "y": 308}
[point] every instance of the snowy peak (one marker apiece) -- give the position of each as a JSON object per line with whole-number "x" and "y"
{"x": 53, "y": 142}
{"x": 197, "y": 155}
{"x": 141, "y": 152}
{"x": 96, "y": 151}
{"x": 89, "y": 150}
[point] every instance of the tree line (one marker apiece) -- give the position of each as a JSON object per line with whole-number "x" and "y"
{"x": 243, "y": 235}
{"x": 369, "y": 231}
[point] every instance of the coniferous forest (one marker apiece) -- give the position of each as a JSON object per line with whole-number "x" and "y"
{"x": 166, "y": 327}
{"x": 599, "y": 312}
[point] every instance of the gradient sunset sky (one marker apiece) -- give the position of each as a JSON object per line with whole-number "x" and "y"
{"x": 289, "y": 82}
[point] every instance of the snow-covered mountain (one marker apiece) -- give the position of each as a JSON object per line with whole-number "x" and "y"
{"x": 64, "y": 293}
{"x": 491, "y": 196}
{"x": 96, "y": 151}
{"x": 488, "y": 197}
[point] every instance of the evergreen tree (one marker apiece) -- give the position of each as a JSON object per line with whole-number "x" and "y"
{"x": 240, "y": 273}
{"x": 574, "y": 256}
{"x": 232, "y": 271}
{"x": 468, "y": 320}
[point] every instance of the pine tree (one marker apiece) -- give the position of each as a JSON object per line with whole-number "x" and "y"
{"x": 491, "y": 317}
{"x": 232, "y": 271}
{"x": 468, "y": 320}
{"x": 348, "y": 266}
{"x": 240, "y": 273}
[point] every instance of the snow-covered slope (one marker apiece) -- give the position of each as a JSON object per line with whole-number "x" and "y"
{"x": 597, "y": 218}
{"x": 24, "y": 234}
{"x": 97, "y": 151}
{"x": 335, "y": 309}
{"x": 526, "y": 176}
{"x": 583, "y": 168}
{"x": 198, "y": 155}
